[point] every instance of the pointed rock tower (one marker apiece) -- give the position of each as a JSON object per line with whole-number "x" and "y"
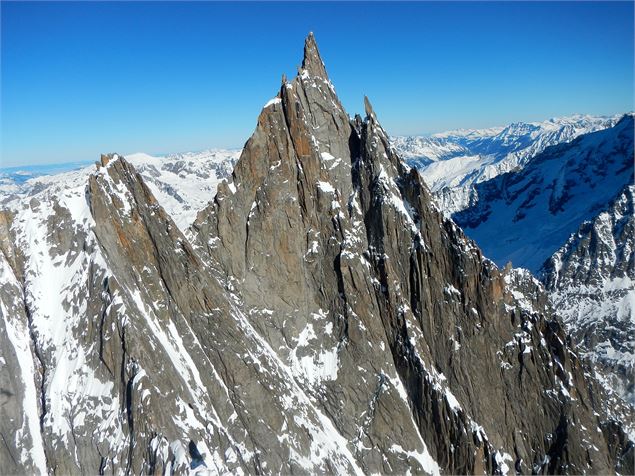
{"x": 422, "y": 353}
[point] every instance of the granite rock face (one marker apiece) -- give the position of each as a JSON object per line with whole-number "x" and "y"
{"x": 321, "y": 215}
{"x": 322, "y": 317}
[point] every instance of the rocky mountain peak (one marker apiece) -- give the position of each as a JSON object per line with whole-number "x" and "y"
{"x": 104, "y": 159}
{"x": 383, "y": 309}
{"x": 312, "y": 61}
{"x": 368, "y": 108}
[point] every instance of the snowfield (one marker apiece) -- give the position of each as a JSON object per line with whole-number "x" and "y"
{"x": 182, "y": 183}
{"x": 453, "y": 162}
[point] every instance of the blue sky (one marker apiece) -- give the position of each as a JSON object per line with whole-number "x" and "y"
{"x": 81, "y": 79}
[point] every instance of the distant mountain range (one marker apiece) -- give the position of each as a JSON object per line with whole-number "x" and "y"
{"x": 182, "y": 182}
{"x": 525, "y": 215}
{"x": 453, "y": 162}
{"x": 450, "y": 162}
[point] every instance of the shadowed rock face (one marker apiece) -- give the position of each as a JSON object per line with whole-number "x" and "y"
{"x": 325, "y": 319}
{"x": 556, "y": 191}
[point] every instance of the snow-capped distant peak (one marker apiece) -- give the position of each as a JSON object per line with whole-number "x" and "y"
{"x": 453, "y": 162}
{"x": 182, "y": 183}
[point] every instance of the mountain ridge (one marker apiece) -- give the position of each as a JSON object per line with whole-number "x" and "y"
{"x": 555, "y": 183}
{"x": 590, "y": 279}
{"x": 455, "y": 162}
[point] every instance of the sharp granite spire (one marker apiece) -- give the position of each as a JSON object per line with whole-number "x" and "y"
{"x": 368, "y": 107}
{"x": 312, "y": 61}
{"x": 405, "y": 335}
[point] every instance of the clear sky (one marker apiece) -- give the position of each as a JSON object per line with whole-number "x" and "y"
{"x": 79, "y": 79}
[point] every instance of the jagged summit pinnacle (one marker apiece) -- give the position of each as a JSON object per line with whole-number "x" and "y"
{"x": 312, "y": 61}
{"x": 368, "y": 107}
{"x": 104, "y": 159}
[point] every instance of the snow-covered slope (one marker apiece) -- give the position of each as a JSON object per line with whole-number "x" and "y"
{"x": 526, "y": 215}
{"x": 591, "y": 279}
{"x": 539, "y": 212}
{"x": 453, "y": 162}
{"x": 182, "y": 183}
{"x": 421, "y": 151}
